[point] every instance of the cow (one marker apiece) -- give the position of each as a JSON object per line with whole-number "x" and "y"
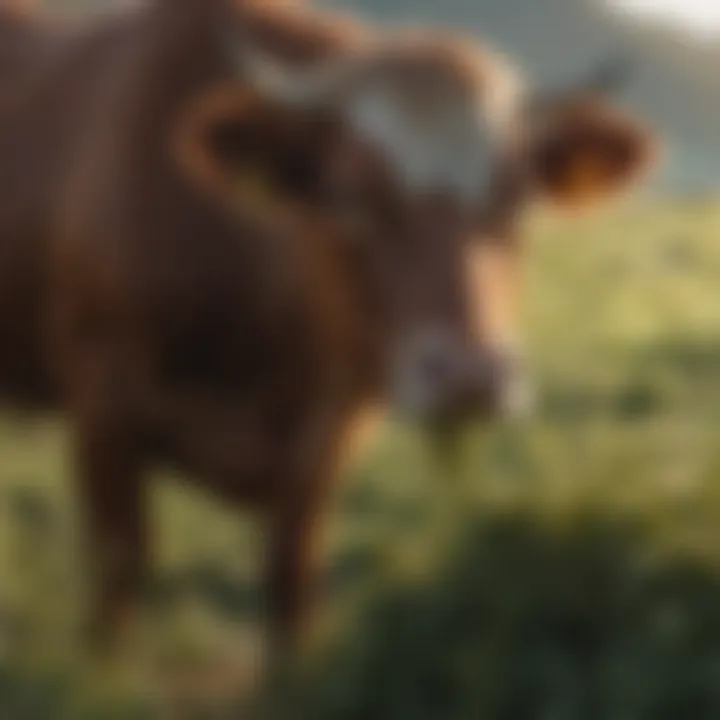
{"x": 226, "y": 228}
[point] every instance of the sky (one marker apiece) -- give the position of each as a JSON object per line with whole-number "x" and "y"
{"x": 699, "y": 16}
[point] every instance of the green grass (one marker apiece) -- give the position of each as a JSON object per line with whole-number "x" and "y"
{"x": 566, "y": 568}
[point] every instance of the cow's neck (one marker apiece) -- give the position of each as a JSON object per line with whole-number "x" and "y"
{"x": 342, "y": 292}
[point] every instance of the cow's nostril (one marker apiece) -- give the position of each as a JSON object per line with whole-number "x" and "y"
{"x": 436, "y": 368}
{"x": 459, "y": 381}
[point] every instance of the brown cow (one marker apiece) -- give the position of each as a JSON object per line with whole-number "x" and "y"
{"x": 180, "y": 319}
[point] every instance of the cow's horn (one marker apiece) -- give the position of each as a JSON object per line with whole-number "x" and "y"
{"x": 606, "y": 78}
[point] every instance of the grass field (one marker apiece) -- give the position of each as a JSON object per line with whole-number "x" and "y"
{"x": 564, "y": 569}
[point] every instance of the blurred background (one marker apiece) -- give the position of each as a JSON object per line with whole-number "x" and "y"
{"x": 566, "y": 568}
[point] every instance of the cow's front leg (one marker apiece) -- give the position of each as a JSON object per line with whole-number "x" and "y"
{"x": 294, "y": 540}
{"x": 292, "y": 573}
{"x": 290, "y": 589}
{"x": 112, "y": 499}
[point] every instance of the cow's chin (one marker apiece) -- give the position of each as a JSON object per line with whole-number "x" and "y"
{"x": 443, "y": 418}
{"x": 516, "y": 402}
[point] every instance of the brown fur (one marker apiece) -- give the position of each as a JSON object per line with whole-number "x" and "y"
{"x": 177, "y": 319}
{"x": 133, "y": 301}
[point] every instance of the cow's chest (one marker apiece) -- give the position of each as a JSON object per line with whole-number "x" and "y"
{"x": 231, "y": 409}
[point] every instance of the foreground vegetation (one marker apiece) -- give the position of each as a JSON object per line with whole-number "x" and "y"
{"x": 566, "y": 568}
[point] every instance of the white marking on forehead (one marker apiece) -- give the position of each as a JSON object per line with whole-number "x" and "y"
{"x": 449, "y": 145}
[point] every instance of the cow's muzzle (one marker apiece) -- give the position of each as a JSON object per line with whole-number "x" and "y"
{"x": 440, "y": 379}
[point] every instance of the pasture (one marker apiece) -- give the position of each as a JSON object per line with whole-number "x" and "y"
{"x": 566, "y": 568}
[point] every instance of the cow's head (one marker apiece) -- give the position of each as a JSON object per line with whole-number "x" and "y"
{"x": 431, "y": 145}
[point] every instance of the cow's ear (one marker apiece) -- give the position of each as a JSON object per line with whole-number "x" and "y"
{"x": 588, "y": 154}
{"x": 218, "y": 135}
{"x": 231, "y": 143}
